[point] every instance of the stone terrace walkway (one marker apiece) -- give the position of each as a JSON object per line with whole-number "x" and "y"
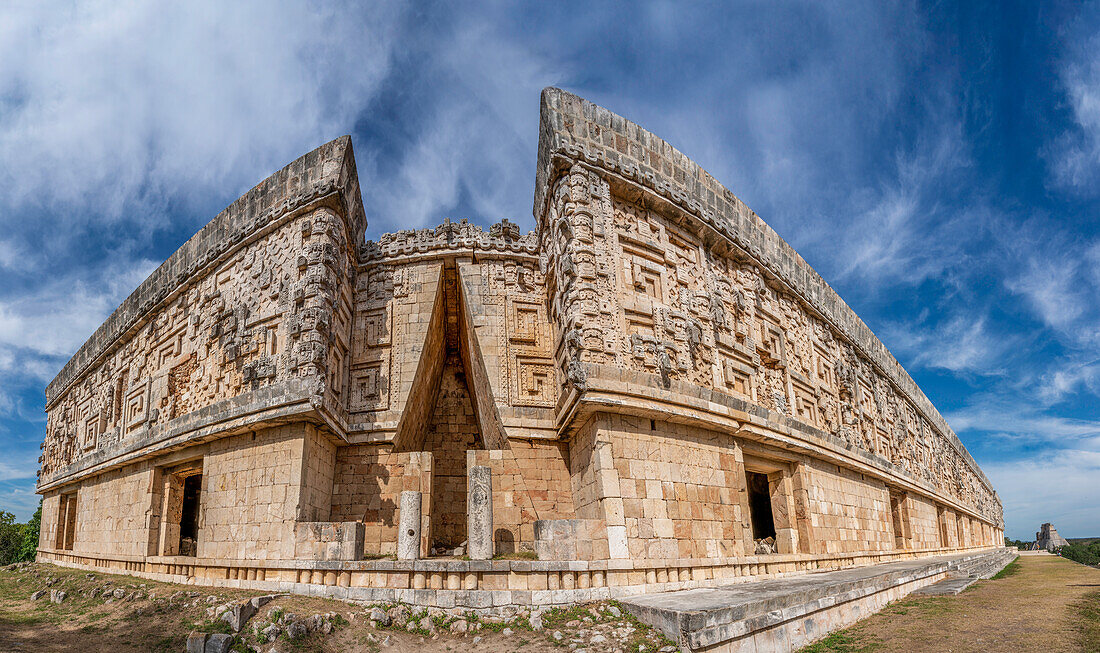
{"x": 709, "y": 617}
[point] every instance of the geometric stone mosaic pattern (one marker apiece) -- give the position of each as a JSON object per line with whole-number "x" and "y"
{"x": 664, "y": 393}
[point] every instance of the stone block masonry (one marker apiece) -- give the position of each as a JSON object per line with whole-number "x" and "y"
{"x": 650, "y": 392}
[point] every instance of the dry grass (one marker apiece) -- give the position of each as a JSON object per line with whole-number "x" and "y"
{"x": 1044, "y": 603}
{"x": 82, "y": 623}
{"x": 1087, "y": 612}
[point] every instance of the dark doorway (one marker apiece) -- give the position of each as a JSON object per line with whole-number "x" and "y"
{"x": 189, "y": 520}
{"x": 66, "y": 523}
{"x": 899, "y": 516}
{"x": 760, "y": 506}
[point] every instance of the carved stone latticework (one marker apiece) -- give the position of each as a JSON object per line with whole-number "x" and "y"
{"x": 655, "y": 383}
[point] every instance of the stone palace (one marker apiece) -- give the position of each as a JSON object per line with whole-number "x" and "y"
{"x": 652, "y": 391}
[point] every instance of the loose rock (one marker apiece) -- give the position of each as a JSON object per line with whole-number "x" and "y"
{"x": 196, "y": 642}
{"x": 272, "y": 632}
{"x": 379, "y": 616}
{"x": 218, "y": 643}
{"x": 296, "y": 630}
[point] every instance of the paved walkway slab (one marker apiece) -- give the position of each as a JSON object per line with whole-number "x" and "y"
{"x": 704, "y": 618}
{"x": 946, "y": 587}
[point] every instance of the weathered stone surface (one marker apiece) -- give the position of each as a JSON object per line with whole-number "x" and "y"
{"x": 218, "y": 643}
{"x": 1048, "y": 538}
{"x": 408, "y": 538}
{"x": 379, "y": 616}
{"x": 296, "y": 630}
{"x": 196, "y": 642}
{"x": 702, "y": 618}
{"x": 479, "y": 504}
{"x": 239, "y": 613}
{"x": 650, "y": 391}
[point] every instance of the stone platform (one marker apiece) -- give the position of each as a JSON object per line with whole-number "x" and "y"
{"x": 784, "y": 614}
{"x": 968, "y": 572}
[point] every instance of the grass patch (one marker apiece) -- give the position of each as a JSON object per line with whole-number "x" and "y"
{"x": 167, "y": 644}
{"x": 215, "y": 626}
{"x": 1011, "y": 569}
{"x": 929, "y": 607}
{"x": 841, "y": 642}
{"x": 1087, "y": 617}
{"x": 23, "y": 619}
{"x": 558, "y": 616}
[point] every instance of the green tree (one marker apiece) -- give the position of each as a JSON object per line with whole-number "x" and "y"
{"x": 1086, "y": 555}
{"x": 11, "y": 538}
{"x": 30, "y": 535}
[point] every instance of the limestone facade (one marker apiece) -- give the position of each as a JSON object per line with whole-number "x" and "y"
{"x": 663, "y": 392}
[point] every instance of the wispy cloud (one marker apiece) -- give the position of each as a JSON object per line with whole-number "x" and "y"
{"x": 1059, "y": 487}
{"x": 470, "y": 127}
{"x": 1074, "y": 157}
{"x": 960, "y": 343}
{"x": 19, "y": 499}
{"x": 63, "y": 313}
{"x": 1006, "y": 417}
{"x": 118, "y": 112}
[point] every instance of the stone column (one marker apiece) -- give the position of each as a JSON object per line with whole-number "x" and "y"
{"x": 783, "y": 511}
{"x": 479, "y": 506}
{"x": 408, "y": 528}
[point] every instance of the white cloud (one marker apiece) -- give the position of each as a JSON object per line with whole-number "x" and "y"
{"x": 961, "y": 343}
{"x": 899, "y": 233}
{"x": 1053, "y": 287}
{"x": 1074, "y": 157}
{"x": 1059, "y": 487}
{"x": 118, "y": 108}
{"x": 62, "y": 314}
{"x": 18, "y": 467}
{"x": 479, "y": 135}
{"x": 17, "y": 499}
{"x": 1013, "y": 418}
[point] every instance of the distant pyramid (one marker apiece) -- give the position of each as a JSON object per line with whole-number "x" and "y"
{"x": 1048, "y": 539}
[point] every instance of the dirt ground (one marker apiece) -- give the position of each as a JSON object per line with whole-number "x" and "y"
{"x": 1034, "y": 609}
{"x": 153, "y": 616}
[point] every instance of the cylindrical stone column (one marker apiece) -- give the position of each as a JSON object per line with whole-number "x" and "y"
{"x": 479, "y": 506}
{"x": 408, "y": 531}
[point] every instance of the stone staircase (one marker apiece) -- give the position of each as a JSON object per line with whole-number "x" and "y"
{"x": 964, "y": 572}
{"x": 985, "y": 565}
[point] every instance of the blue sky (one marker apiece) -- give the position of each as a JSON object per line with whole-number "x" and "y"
{"x": 937, "y": 163}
